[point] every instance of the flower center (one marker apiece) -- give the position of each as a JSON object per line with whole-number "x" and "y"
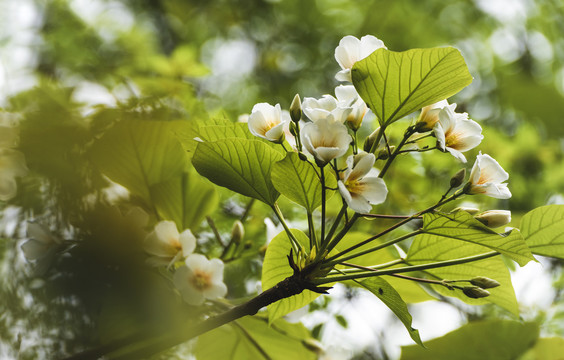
{"x": 175, "y": 243}
{"x": 201, "y": 280}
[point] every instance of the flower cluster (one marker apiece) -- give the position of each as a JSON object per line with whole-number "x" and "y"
{"x": 12, "y": 162}
{"x": 198, "y": 278}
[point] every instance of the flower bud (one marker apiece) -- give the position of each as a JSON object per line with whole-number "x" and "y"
{"x": 457, "y": 179}
{"x": 370, "y": 139}
{"x": 469, "y": 210}
{"x": 296, "y": 109}
{"x": 484, "y": 282}
{"x": 237, "y": 232}
{"x": 293, "y": 129}
{"x": 384, "y": 153}
{"x": 494, "y": 218}
{"x": 475, "y": 292}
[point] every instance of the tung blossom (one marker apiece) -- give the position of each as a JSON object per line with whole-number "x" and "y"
{"x": 348, "y": 96}
{"x": 268, "y": 122}
{"x": 41, "y": 243}
{"x": 351, "y": 50}
{"x": 200, "y": 279}
{"x": 325, "y": 140}
{"x": 487, "y": 177}
{"x": 327, "y": 108}
{"x": 430, "y": 116}
{"x": 456, "y": 133}
{"x": 360, "y": 185}
{"x": 166, "y": 245}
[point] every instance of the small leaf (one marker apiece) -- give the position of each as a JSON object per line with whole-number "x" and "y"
{"x": 299, "y": 182}
{"x": 543, "y": 230}
{"x": 276, "y": 268}
{"x": 462, "y": 226}
{"x": 480, "y": 340}
{"x": 393, "y": 300}
{"x": 395, "y": 84}
{"x": 240, "y": 165}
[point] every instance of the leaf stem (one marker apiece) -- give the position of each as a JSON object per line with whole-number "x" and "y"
{"x": 408, "y": 132}
{"x": 211, "y": 224}
{"x": 336, "y": 223}
{"x": 323, "y": 205}
{"x": 312, "y": 236}
{"x": 295, "y": 244}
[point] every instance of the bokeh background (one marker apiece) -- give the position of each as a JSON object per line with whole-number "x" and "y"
{"x": 71, "y": 68}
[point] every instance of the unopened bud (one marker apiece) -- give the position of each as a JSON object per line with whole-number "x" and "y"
{"x": 384, "y": 154}
{"x": 475, "y": 292}
{"x": 237, "y": 232}
{"x": 370, "y": 139}
{"x": 296, "y": 109}
{"x": 484, "y": 282}
{"x": 457, "y": 179}
{"x": 494, "y": 218}
{"x": 469, "y": 210}
{"x": 302, "y": 156}
{"x": 293, "y": 129}
{"x": 313, "y": 345}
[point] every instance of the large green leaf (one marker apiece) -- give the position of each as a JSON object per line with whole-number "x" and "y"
{"x": 389, "y": 296}
{"x": 298, "y": 181}
{"x": 139, "y": 154}
{"x": 240, "y": 165}
{"x": 485, "y": 340}
{"x": 185, "y": 199}
{"x": 546, "y": 349}
{"x": 429, "y": 248}
{"x": 543, "y": 229}
{"x": 462, "y": 226}
{"x": 395, "y": 84}
{"x": 276, "y": 268}
{"x": 253, "y": 338}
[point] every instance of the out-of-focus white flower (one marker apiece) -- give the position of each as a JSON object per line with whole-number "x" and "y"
{"x": 166, "y": 245}
{"x": 12, "y": 164}
{"x": 200, "y": 279}
{"x": 351, "y": 50}
{"x": 325, "y": 140}
{"x": 267, "y": 122}
{"x": 326, "y": 108}
{"x": 494, "y": 218}
{"x": 41, "y": 242}
{"x": 430, "y": 116}
{"x": 360, "y": 185}
{"x": 487, "y": 178}
{"x": 347, "y": 96}
{"x": 456, "y": 133}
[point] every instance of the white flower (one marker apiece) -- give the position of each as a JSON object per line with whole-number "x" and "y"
{"x": 167, "y": 246}
{"x": 325, "y": 140}
{"x": 348, "y": 96}
{"x": 200, "y": 279}
{"x": 12, "y": 164}
{"x": 325, "y": 108}
{"x": 360, "y": 185}
{"x": 494, "y": 218}
{"x": 430, "y": 116}
{"x": 267, "y": 122}
{"x": 351, "y": 50}
{"x": 41, "y": 243}
{"x": 456, "y": 133}
{"x": 487, "y": 177}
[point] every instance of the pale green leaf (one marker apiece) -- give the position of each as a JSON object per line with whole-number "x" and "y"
{"x": 240, "y": 165}
{"x": 427, "y": 249}
{"x": 546, "y": 349}
{"x": 543, "y": 230}
{"x": 462, "y": 226}
{"x": 389, "y": 296}
{"x": 298, "y": 181}
{"x": 139, "y": 154}
{"x": 276, "y": 268}
{"x": 253, "y": 338}
{"x": 185, "y": 199}
{"x": 395, "y": 84}
{"x": 483, "y": 340}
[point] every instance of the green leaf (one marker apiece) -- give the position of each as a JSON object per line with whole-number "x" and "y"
{"x": 546, "y": 349}
{"x": 462, "y": 226}
{"x": 253, "y": 338}
{"x": 139, "y": 154}
{"x": 389, "y": 296}
{"x": 298, "y": 181}
{"x": 543, "y": 229}
{"x": 395, "y": 84}
{"x": 276, "y": 268}
{"x": 483, "y": 340}
{"x": 240, "y": 165}
{"x": 427, "y": 249}
{"x": 185, "y": 199}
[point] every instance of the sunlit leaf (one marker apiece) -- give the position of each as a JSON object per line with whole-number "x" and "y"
{"x": 298, "y": 181}
{"x": 543, "y": 229}
{"x": 395, "y": 84}
{"x": 462, "y": 226}
{"x": 389, "y": 296}
{"x": 276, "y": 268}
{"x": 240, "y": 165}
{"x": 484, "y": 340}
{"x": 546, "y": 349}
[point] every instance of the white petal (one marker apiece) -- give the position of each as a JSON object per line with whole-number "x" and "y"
{"x": 276, "y": 133}
{"x": 440, "y": 135}
{"x": 344, "y": 192}
{"x": 216, "y": 290}
{"x": 374, "y": 190}
{"x": 457, "y": 154}
{"x": 188, "y": 242}
{"x": 197, "y": 262}
{"x": 215, "y": 269}
{"x": 346, "y": 94}
{"x": 369, "y": 44}
{"x": 38, "y": 232}
{"x": 344, "y": 75}
{"x": 348, "y": 51}
{"x": 364, "y": 164}
{"x": 359, "y": 204}
{"x": 34, "y": 249}
{"x": 491, "y": 170}
{"x": 166, "y": 231}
